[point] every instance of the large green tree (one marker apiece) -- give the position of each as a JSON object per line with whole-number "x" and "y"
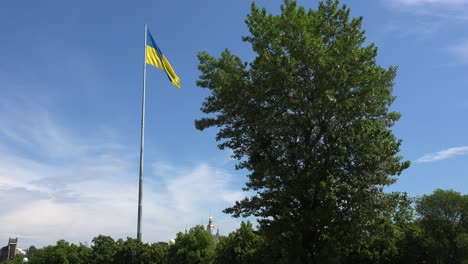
{"x": 309, "y": 119}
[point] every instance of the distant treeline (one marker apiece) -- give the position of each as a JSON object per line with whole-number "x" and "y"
{"x": 433, "y": 229}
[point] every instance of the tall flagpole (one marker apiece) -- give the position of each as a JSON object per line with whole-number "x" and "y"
{"x": 140, "y": 185}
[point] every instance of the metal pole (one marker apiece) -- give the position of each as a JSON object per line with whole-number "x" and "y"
{"x": 140, "y": 186}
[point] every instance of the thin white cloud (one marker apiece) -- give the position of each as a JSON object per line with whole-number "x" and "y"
{"x": 419, "y": 28}
{"x": 442, "y": 10}
{"x": 64, "y": 186}
{"x": 451, "y": 3}
{"x": 422, "y": 19}
{"x": 444, "y": 154}
{"x": 460, "y": 50}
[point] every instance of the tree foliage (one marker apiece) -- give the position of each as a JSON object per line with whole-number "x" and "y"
{"x": 437, "y": 233}
{"x": 309, "y": 119}
{"x": 18, "y": 259}
{"x": 62, "y": 253}
{"x": 104, "y": 250}
{"x": 443, "y": 216}
{"x": 133, "y": 251}
{"x": 197, "y": 246}
{"x": 241, "y": 246}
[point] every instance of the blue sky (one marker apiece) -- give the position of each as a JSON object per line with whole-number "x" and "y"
{"x": 70, "y": 102}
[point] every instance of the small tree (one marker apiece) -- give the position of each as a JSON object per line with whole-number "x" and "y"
{"x": 133, "y": 251}
{"x": 18, "y": 259}
{"x": 241, "y": 246}
{"x": 443, "y": 216}
{"x": 156, "y": 253}
{"x": 197, "y": 246}
{"x": 30, "y": 251}
{"x": 104, "y": 250}
{"x": 62, "y": 252}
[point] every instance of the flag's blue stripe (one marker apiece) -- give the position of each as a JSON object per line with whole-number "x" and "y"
{"x": 150, "y": 42}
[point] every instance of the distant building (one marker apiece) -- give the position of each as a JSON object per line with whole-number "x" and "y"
{"x": 217, "y": 235}
{"x": 210, "y": 228}
{"x": 20, "y": 251}
{"x": 9, "y": 252}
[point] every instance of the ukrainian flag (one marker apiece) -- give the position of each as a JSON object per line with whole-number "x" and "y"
{"x": 155, "y": 57}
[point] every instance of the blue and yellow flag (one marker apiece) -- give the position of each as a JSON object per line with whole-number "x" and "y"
{"x": 155, "y": 57}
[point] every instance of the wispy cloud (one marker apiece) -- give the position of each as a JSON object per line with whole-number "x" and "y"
{"x": 444, "y": 154}
{"x": 428, "y": 19}
{"x": 443, "y": 10}
{"x": 421, "y": 28}
{"x": 460, "y": 50}
{"x": 451, "y": 3}
{"x": 58, "y": 184}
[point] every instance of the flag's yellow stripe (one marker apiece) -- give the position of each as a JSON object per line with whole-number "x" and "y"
{"x": 170, "y": 72}
{"x": 153, "y": 58}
